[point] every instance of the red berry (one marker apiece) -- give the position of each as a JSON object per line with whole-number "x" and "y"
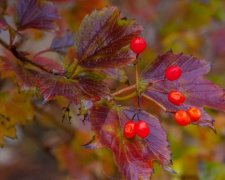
{"x": 142, "y": 129}
{"x": 138, "y": 45}
{"x": 173, "y": 72}
{"x": 129, "y": 129}
{"x": 176, "y": 97}
{"x": 182, "y": 118}
{"x": 95, "y": 99}
{"x": 194, "y": 113}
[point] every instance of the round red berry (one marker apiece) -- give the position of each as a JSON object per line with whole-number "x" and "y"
{"x": 176, "y": 97}
{"x": 182, "y": 118}
{"x": 142, "y": 129}
{"x": 129, "y": 129}
{"x": 138, "y": 45}
{"x": 173, "y": 72}
{"x": 194, "y": 113}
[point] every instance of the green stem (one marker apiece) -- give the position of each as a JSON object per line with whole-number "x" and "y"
{"x": 136, "y": 72}
{"x": 122, "y": 98}
{"x": 134, "y": 94}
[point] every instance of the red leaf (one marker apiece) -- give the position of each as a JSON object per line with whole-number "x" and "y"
{"x": 101, "y": 39}
{"x": 48, "y": 63}
{"x": 83, "y": 86}
{"x": 3, "y": 24}
{"x": 36, "y": 14}
{"x": 61, "y": 44}
{"x": 23, "y": 76}
{"x": 134, "y": 157}
{"x": 197, "y": 90}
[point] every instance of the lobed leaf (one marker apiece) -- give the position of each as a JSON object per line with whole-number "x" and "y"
{"x": 198, "y": 91}
{"x": 102, "y": 37}
{"x": 134, "y": 157}
{"x": 23, "y": 76}
{"x": 35, "y": 14}
{"x": 83, "y": 86}
{"x": 61, "y": 44}
{"x": 14, "y": 110}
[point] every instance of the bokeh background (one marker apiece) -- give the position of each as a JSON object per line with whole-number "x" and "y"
{"x": 49, "y": 149}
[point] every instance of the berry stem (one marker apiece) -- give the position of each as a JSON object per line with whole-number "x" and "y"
{"x": 136, "y": 72}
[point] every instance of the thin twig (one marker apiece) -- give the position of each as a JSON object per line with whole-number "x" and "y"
{"x": 124, "y": 90}
{"x": 160, "y": 105}
{"x": 136, "y": 72}
{"x": 21, "y": 57}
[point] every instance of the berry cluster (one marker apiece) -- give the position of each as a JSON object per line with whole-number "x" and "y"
{"x": 138, "y": 45}
{"x": 177, "y": 98}
{"x": 140, "y": 128}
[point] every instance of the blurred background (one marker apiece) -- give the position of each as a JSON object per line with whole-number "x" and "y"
{"x": 49, "y": 149}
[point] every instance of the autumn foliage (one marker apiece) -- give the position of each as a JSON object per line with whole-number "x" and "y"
{"x": 96, "y": 52}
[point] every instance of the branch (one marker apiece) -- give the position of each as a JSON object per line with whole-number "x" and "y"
{"x": 124, "y": 90}
{"x": 160, "y": 105}
{"x": 21, "y": 57}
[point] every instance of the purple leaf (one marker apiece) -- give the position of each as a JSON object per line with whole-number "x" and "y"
{"x": 83, "y": 86}
{"x": 197, "y": 90}
{"x": 134, "y": 157}
{"x": 102, "y": 38}
{"x": 62, "y": 44}
{"x": 35, "y": 14}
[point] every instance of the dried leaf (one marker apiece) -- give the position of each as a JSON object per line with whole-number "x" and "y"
{"x": 197, "y": 90}
{"x": 134, "y": 157}
{"x": 14, "y": 110}
{"x": 35, "y": 14}
{"x": 102, "y": 37}
{"x": 82, "y": 86}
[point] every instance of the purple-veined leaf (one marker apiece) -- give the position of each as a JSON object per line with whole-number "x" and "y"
{"x": 61, "y": 44}
{"x": 102, "y": 39}
{"x": 197, "y": 90}
{"x": 134, "y": 157}
{"x": 35, "y": 14}
{"x": 82, "y": 86}
{"x": 115, "y": 73}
